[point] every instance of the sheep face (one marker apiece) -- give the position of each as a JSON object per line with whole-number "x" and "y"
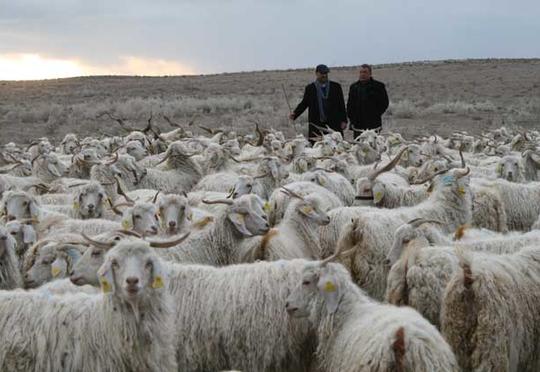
{"x": 243, "y": 186}
{"x": 7, "y": 243}
{"x": 142, "y": 218}
{"x": 273, "y": 167}
{"x": 69, "y": 144}
{"x": 50, "y": 163}
{"x": 320, "y": 285}
{"x": 88, "y": 202}
{"x": 311, "y": 210}
{"x": 509, "y": 168}
{"x": 402, "y": 236}
{"x": 18, "y": 205}
{"x": 413, "y": 156}
{"x": 23, "y": 234}
{"x": 303, "y": 164}
{"x": 136, "y": 149}
{"x": 132, "y": 272}
{"x": 248, "y": 216}
{"x": 52, "y": 261}
{"x": 174, "y": 211}
{"x": 85, "y": 269}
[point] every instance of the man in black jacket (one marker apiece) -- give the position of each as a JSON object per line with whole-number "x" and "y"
{"x": 367, "y": 102}
{"x": 326, "y": 104}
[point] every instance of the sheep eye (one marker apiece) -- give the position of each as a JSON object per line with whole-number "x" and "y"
{"x": 137, "y": 216}
{"x": 117, "y": 238}
{"x": 96, "y": 253}
{"x": 13, "y": 233}
{"x": 100, "y": 195}
{"x": 306, "y": 282}
{"x": 149, "y": 265}
{"x": 25, "y": 203}
{"x": 114, "y": 263}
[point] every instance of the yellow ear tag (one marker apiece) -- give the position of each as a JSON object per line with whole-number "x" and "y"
{"x": 499, "y": 168}
{"x": 55, "y": 271}
{"x": 267, "y": 207}
{"x": 158, "y": 282}
{"x": 329, "y": 287}
{"x": 461, "y": 190}
{"x": 307, "y": 209}
{"x": 75, "y": 205}
{"x": 378, "y": 196}
{"x": 126, "y": 225}
{"x": 105, "y": 285}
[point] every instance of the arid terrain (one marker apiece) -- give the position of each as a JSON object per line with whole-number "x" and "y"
{"x": 426, "y": 97}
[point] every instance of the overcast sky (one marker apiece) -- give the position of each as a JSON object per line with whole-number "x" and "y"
{"x": 210, "y": 36}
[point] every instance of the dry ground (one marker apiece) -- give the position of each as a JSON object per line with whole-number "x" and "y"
{"x": 426, "y": 97}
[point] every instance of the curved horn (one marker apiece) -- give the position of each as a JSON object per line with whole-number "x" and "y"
{"x": 430, "y": 177}
{"x": 218, "y": 201}
{"x": 113, "y": 160}
{"x": 120, "y": 191}
{"x": 155, "y": 198}
{"x": 261, "y": 135}
{"x": 462, "y": 173}
{"x": 291, "y": 193}
{"x": 388, "y": 166}
{"x": 261, "y": 175}
{"x": 463, "y": 165}
{"x": 169, "y": 243}
{"x": 130, "y": 233}
{"x": 96, "y": 243}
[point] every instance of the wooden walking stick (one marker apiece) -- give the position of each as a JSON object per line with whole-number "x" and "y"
{"x": 289, "y": 106}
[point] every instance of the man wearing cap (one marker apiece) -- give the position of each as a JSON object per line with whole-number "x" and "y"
{"x": 367, "y": 102}
{"x": 326, "y": 104}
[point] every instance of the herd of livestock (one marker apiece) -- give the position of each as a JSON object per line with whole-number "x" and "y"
{"x": 172, "y": 251}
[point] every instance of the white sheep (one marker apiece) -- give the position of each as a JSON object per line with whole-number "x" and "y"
{"x": 10, "y": 274}
{"x": 74, "y": 332}
{"x": 355, "y": 333}
{"x": 371, "y": 231}
{"x": 491, "y": 311}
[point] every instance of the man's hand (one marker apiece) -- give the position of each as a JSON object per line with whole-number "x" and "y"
{"x": 291, "y": 115}
{"x": 344, "y": 125}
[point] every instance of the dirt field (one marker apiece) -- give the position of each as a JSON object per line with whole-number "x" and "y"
{"x": 426, "y": 97}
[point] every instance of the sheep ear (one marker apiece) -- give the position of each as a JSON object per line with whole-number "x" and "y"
{"x": 105, "y": 276}
{"x": 499, "y": 170}
{"x": 159, "y": 277}
{"x": 34, "y": 210}
{"x": 29, "y": 234}
{"x": 127, "y": 219}
{"x": 306, "y": 210}
{"x": 239, "y": 222}
{"x": 54, "y": 170}
{"x": 329, "y": 289}
{"x": 321, "y": 180}
{"x": 59, "y": 266}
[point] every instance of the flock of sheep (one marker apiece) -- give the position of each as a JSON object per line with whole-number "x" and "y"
{"x": 180, "y": 252}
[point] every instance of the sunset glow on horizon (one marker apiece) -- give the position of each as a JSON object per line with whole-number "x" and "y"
{"x": 32, "y": 66}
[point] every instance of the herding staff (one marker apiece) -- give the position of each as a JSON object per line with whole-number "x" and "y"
{"x": 288, "y": 104}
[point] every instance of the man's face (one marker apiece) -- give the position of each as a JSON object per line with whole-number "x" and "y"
{"x": 322, "y": 78}
{"x": 365, "y": 74}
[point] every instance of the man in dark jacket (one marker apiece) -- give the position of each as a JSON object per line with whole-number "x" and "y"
{"x": 367, "y": 102}
{"x": 326, "y": 104}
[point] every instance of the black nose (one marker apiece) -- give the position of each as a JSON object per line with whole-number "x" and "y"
{"x": 90, "y": 206}
{"x": 132, "y": 280}
{"x": 11, "y": 217}
{"x": 172, "y": 223}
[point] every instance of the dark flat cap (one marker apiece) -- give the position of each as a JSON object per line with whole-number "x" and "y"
{"x": 323, "y": 69}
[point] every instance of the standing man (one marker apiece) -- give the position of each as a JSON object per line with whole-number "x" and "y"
{"x": 367, "y": 102}
{"x": 326, "y": 104}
